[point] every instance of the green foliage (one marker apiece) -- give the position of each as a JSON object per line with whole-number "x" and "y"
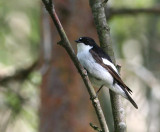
{"x": 19, "y": 48}
{"x": 14, "y": 102}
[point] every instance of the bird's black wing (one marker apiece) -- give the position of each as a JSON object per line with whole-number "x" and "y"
{"x": 110, "y": 70}
{"x": 115, "y": 76}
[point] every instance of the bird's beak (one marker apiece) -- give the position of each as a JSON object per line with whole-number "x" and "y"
{"x": 77, "y": 41}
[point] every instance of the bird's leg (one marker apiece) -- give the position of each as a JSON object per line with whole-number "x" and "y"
{"x": 97, "y": 92}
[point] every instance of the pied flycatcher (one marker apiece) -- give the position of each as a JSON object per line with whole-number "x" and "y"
{"x": 100, "y": 69}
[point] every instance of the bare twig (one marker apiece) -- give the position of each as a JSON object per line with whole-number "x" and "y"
{"x": 19, "y": 74}
{"x": 66, "y": 44}
{"x": 111, "y": 12}
{"x": 95, "y": 127}
{"x": 105, "y": 42}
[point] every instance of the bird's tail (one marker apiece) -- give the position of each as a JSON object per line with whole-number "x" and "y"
{"x": 131, "y": 100}
{"x": 123, "y": 92}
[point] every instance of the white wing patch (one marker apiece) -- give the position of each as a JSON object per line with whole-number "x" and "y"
{"x": 107, "y": 62}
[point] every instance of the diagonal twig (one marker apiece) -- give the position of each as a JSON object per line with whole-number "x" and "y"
{"x": 66, "y": 44}
{"x": 111, "y": 12}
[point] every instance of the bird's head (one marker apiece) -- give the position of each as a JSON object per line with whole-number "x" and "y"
{"x": 86, "y": 41}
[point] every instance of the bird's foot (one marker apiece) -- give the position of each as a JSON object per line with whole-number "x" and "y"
{"x": 94, "y": 97}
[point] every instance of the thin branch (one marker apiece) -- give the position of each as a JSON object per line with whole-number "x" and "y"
{"x": 95, "y": 127}
{"x": 19, "y": 74}
{"x": 111, "y": 12}
{"x": 103, "y": 31}
{"x": 66, "y": 44}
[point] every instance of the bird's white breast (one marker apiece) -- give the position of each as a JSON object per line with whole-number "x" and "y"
{"x": 89, "y": 63}
{"x": 81, "y": 47}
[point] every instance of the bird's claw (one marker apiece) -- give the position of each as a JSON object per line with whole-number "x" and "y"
{"x": 94, "y": 97}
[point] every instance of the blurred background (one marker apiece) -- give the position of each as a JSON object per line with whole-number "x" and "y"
{"x": 40, "y": 88}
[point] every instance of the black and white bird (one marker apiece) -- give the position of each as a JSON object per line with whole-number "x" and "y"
{"x": 100, "y": 69}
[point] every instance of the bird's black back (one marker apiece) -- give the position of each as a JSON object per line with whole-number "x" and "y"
{"x": 101, "y": 53}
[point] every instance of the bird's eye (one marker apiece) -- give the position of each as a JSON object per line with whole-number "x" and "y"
{"x": 80, "y": 38}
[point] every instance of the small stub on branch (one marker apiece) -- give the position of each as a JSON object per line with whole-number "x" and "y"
{"x": 61, "y": 42}
{"x": 104, "y": 3}
{"x": 85, "y": 72}
{"x": 95, "y": 127}
{"x": 122, "y": 126}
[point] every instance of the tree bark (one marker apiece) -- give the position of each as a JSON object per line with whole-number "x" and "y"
{"x": 61, "y": 94}
{"x": 103, "y": 31}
